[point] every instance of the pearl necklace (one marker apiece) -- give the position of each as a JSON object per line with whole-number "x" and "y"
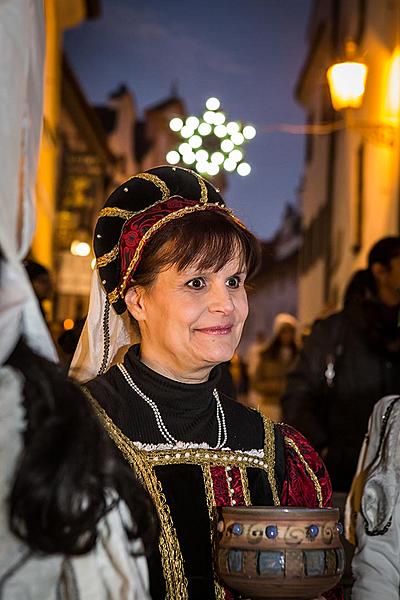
{"x": 162, "y": 428}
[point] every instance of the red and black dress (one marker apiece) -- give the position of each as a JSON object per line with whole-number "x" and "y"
{"x": 260, "y": 464}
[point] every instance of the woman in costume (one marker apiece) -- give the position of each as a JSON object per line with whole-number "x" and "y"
{"x": 172, "y": 264}
{"x": 274, "y": 363}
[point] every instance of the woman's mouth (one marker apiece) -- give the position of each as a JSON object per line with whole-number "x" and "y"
{"x": 216, "y": 330}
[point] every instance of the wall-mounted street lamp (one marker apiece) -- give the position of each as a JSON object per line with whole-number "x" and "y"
{"x": 347, "y": 81}
{"x": 347, "y": 84}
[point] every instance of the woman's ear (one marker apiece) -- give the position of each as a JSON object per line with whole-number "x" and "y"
{"x": 134, "y": 302}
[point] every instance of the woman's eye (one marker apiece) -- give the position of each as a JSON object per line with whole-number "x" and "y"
{"x": 233, "y": 282}
{"x": 197, "y": 283}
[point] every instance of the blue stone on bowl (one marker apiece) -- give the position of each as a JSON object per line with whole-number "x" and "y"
{"x": 237, "y": 529}
{"x": 271, "y": 531}
{"x": 313, "y": 531}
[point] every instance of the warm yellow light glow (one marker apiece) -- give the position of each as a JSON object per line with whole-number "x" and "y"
{"x": 176, "y": 124}
{"x": 192, "y": 122}
{"x": 393, "y": 94}
{"x": 347, "y": 84}
{"x": 68, "y": 324}
{"x": 173, "y": 157}
{"x": 244, "y": 169}
{"x": 80, "y": 248}
{"x": 213, "y": 104}
{"x": 204, "y": 129}
{"x": 93, "y": 264}
{"x": 249, "y": 132}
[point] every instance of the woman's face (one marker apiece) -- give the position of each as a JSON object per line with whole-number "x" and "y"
{"x": 190, "y": 320}
{"x": 287, "y": 335}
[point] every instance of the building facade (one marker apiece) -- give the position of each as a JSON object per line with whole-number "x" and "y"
{"x": 351, "y": 191}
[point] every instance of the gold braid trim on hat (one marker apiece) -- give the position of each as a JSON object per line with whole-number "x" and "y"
{"x": 203, "y": 189}
{"x": 105, "y": 259}
{"x": 309, "y": 470}
{"x": 118, "y": 291}
{"x": 170, "y": 550}
{"x": 114, "y": 211}
{"x": 162, "y": 186}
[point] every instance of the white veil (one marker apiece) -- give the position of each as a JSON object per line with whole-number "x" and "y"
{"x": 22, "y": 47}
{"x": 105, "y": 337}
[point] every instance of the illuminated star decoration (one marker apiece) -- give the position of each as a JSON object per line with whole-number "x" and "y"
{"x": 210, "y": 144}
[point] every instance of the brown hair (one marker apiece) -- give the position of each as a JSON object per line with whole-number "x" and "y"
{"x": 208, "y": 240}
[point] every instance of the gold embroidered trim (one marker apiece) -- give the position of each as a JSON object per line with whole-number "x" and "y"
{"x": 309, "y": 470}
{"x": 245, "y": 485}
{"x": 114, "y": 296}
{"x": 170, "y": 551}
{"x": 213, "y": 518}
{"x": 269, "y": 456}
{"x": 204, "y": 456}
{"x": 203, "y": 189}
{"x": 114, "y": 211}
{"x": 118, "y": 291}
{"x": 162, "y": 186}
{"x": 105, "y": 259}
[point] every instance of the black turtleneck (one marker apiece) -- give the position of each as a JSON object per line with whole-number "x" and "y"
{"x": 188, "y": 409}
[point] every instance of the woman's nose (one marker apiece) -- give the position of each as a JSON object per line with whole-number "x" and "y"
{"x": 221, "y": 300}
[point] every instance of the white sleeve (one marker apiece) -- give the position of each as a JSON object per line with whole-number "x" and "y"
{"x": 376, "y": 563}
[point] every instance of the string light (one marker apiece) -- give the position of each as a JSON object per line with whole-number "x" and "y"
{"x": 211, "y": 143}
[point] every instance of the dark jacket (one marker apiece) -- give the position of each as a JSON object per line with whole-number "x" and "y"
{"x": 346, "y": 365}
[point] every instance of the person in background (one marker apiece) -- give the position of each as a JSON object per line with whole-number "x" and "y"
{"x": 273, "y": 365}
{"x": 349, "y": 361}
{"x": 240, "y": 379}
{"x": 67, "y": 342}
{"x": 253, "y": 352}
{"x": 40, "y": 280}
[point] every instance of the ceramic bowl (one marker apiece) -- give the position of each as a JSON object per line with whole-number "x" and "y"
{"x": 269, "y": 552}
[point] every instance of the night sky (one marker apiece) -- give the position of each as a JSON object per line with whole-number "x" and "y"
{"x": 248, "y": 54}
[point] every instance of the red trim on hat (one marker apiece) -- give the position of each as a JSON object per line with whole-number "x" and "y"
{"x": 136, "y": 227}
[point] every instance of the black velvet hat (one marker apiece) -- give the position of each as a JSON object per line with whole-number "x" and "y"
{"x": 135, "y": 211}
